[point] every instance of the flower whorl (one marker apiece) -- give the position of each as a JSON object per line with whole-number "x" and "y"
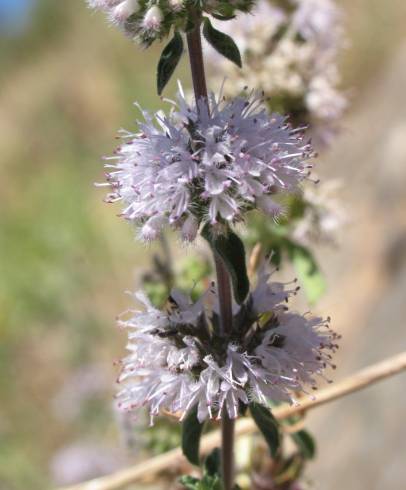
{"x": 179, "y": 360}
{"x": 193, "y": 167}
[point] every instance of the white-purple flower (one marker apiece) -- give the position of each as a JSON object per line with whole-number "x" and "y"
{"x": 324, "y": 215}
{"x": 153, "y": 18}
{"x": 121, "y": 12}
{"x": 179, "y": 361}
{"x": 148, "y": 21}
{"x": 137, "y": 18}
{"x": 176, "y": 5}
{"x": 290, "y": 52}
{"x": 193, "y": 167}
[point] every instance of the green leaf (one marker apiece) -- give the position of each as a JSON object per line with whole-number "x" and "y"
{"x": 189, "y": 482}
{"x": 268, "y": 426}
{"x": 212, "y": 462}
{"x": 305, "y": 443}
{"x": 308, "y": 272}
{"x": 222, "y": 43}
{"x": 302, "y": 438}
{"x": 169, "y": 60}
{"x": 191, "y": 433}
{"x": 231, "y": 249}
{"x": 290, "y": 470}
{"x": 208, "y": 482}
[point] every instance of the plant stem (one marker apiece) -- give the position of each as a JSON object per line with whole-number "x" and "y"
{"x": 194, "y": 41}
{"x": 227, "y": 451}
{"x": 224, "y": 292}
{"x": 223, "y": 280}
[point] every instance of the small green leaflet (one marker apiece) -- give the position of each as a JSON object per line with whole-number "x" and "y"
{"x": 206, "y": 483}
{"x": 231, "y": 250}
{"x": 169, "y": 60}
{"x": 191, "y": 433}
{"x": 302, "y": 438}
{"x": 189, "y": 482}
{"x": 268, "y": 426}
{"x": 222, "y": 43}
{"x": 212, "y": 462}
{"x": 305, "y": 443}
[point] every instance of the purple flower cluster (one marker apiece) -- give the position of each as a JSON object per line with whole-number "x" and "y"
{"x": 196, "y": 166}
{"x": 177, "y": 360}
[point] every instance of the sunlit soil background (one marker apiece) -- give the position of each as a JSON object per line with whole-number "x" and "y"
{"x": 67, "y": 83}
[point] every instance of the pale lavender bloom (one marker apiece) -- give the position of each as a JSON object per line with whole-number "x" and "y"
{"x": 324, "y": 215}
{"x": 319, "y": 21}
{"x": 191, "y": 168}
{"x": 290, "y": 54}
{"x": 118, "y": 11}
{"x": 178, "y": 360}
{"x": 148, "y": 21}
{"x": 306, "y": 343}
{"x": 153, "y": 18}
{"x": 268, "y": 295}
{"x": 132, "y": 17}
{"x": 176, "y": 5}
{"x": 218, "y": 389}
{"x": 123, "y": 11}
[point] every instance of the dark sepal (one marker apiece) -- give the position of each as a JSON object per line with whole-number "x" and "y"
{"x": 222, "y": 43}
{"x": 169, "y": 60}
{"x": 191, "y": 433}
{"x": 268, "y": 426}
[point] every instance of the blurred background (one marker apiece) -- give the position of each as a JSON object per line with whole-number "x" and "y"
{"x": 67, "y": 83}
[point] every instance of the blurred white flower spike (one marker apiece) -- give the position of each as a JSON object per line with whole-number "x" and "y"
{"x": 190, "y": 167}
{"x": 290, "y": 50}
{"x": 179, "y": 360}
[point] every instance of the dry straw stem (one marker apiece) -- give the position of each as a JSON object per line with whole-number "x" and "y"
{"x": 254, "y": 260}
{"x": 153, "y": 466}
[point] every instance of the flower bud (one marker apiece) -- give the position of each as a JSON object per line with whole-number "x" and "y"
{"x": 124, "y": 10}
{"x": 190, "y": 228}
{"x": 176, "y": 5}
{"x": 153, "y": 18}
{"x": 269, "y": 206}
{"x": 152, "y": 228}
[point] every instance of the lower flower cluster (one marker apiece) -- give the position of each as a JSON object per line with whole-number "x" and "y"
{"x": 179, "y": 359}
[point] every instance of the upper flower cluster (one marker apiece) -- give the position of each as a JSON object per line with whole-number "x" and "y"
{"x": 149, "y": 20}
{"x": 198, "y": 166}
{"x": 179, "y": 359}
{"x": 290, "y": 51}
